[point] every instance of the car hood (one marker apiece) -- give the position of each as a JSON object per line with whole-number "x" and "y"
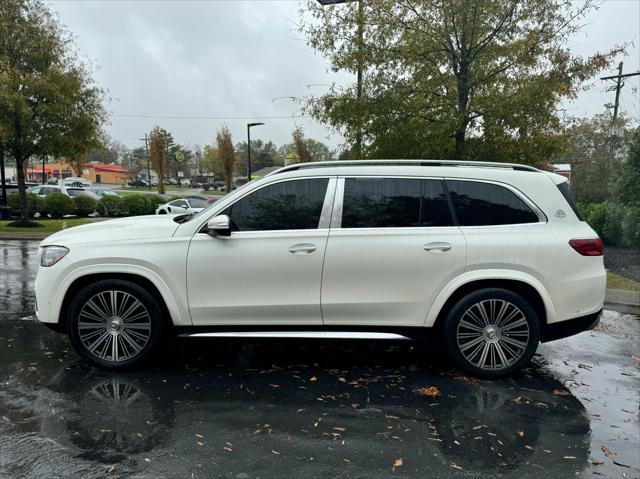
{"x": 133, "y": 227}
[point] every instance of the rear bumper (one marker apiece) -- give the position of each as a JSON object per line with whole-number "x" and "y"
{"x": 564, "y": 329}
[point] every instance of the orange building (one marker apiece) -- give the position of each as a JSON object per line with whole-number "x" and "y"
{"x": 95, "y": 172}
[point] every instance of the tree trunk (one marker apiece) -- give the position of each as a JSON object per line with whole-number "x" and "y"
{"x": 22, "y": 192}
{"x": 2, "y": 177}
{"x": 228, "y": 177}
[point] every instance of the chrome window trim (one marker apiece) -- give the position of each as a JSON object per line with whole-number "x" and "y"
{"x": 336, "y": 220}
{"x": 327, "y": 207}
{"x": 253, "y": 190}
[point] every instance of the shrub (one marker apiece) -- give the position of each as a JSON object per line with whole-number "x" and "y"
{"x": 596, "y": 214}
{"x": 206, "y": 187}
{"x": 59, "y": 204}
{"x": 612, "y": 229}
{"x": 35, "y": 204}
{"x": 631, "y": 226}
{"x": 85, "y": 205}
{"x": 135, "y": 205}
{"x": 154, "y": 201}
{"x": 109, "y": 205}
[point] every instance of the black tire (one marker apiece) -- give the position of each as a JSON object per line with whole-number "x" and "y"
{"x": 162, "y": 212}
{"x": 138, "y": 332}
{"x": 506, "y": 345}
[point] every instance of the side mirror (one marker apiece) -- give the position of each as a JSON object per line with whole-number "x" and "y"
{"x": 219, "y": 226}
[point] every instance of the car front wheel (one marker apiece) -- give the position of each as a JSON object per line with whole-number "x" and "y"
{"x": 115, "y": 323}
{"x": 491, "y": 333}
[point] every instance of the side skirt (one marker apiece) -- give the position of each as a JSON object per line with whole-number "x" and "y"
{"x": 297, "y": 332}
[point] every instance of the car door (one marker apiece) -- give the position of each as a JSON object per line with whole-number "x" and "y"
{"x": 268, "y": 271}
{"x": 392, "y": 247}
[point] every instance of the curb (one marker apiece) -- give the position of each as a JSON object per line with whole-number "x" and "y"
{"x": 623, "y": 297}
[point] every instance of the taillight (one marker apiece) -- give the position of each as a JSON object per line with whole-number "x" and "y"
{"x": 588, "y": 247}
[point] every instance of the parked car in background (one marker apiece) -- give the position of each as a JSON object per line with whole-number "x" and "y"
{"x": 213, "y": 199}
{"x": 76, "y": 182}
{"x": 45, "y": 190}
{"x": 73, "y": 192}
{"x": 104, "y": 192}
{"x": 182, "y": 206}
{"x": 138, "y": 183}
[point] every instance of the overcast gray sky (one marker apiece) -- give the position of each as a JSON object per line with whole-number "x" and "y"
{"x": 238, "y": 59}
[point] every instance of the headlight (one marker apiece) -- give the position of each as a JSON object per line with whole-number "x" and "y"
{"x": 52, "y": 254}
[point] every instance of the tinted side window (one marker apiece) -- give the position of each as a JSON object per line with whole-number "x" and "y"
{"x": 179, "y": 203}
{"x": 394, "y": 203}
{"x": 481, "y": 204}
{"x": 564, "y": 189}
{"x": 288, "y": 205}
{"x": 435, "y": 205}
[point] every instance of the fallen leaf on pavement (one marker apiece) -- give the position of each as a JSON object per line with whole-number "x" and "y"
{"x": 620, "y": 464}
{"x": 561, "y": 392}
{"x": 520, "y": 433}
{"x": 313, "y": 379}
{"x": 607, "y": 452}
{"x": 430, "y": 391}
{"x": 397, "y": 463}
{"x": 597, "y": 463}
{"x": 455, "y": 466}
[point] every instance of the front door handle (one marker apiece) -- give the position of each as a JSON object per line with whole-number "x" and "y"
{"x": 302, "y": 248}
{"x": 437, "y": 246}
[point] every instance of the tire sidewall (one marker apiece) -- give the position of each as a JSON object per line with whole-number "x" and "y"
{"x": 455, "y": 315}
{"x": 158, "y": 322}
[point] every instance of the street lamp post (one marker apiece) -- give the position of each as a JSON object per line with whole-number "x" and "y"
{"x": 249, "y": 125}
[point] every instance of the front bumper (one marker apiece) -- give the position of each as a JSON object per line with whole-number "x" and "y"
{"x": 564, "y": 329}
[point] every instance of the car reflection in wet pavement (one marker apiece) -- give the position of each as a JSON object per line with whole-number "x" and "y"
{"x": 309, "y": 409}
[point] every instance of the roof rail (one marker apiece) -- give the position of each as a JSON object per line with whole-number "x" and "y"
{"x": 326, "y": 164}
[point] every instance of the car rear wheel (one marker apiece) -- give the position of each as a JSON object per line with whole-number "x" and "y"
{"x": 162, "y": 212}
{"x": 115, "y": 324}
{"x": 491, "y": 333}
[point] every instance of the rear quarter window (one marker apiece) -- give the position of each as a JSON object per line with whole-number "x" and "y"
{"x": 486, "y": 204}
{"x": 564, "y": 189}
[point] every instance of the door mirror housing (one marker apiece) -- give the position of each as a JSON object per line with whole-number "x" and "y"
{"x": 219, "y": 226}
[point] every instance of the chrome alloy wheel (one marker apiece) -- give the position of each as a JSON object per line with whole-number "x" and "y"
{"x": 493, "y": 334}
{"x": 114, "y": 326}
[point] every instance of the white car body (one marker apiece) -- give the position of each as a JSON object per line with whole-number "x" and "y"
{"x": 45, "y": 190}
{"x": 178, "y": 207}
{"x": 334, "y": 281}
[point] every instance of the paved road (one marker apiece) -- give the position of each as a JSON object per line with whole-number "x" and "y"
{"x": 278, "y": 409}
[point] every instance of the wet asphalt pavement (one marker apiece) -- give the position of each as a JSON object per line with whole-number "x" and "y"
{"x": 309, "y": 409}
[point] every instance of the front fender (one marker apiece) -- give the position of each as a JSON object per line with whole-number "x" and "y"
{"x": 178, "y": 312}
{"x": 489, "y": 274}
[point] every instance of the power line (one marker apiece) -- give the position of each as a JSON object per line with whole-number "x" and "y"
{"x": 179, "y": 117}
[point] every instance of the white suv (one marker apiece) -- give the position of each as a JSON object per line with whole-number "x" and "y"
{"x": 491, "y": 258}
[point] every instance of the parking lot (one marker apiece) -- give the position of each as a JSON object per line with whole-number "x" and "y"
{"x": 341, "y": 409}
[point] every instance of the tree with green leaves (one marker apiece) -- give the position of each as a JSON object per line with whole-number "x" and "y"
{"x": 158, "y": 155}
{"x": 227, "y": 155}
{"x": 49, "y": 104}
{"x": 300, "y": 147}
{"x": 626, "y": 183}
{"x": 474, "y": 79}
{"x": 596, "y": 158}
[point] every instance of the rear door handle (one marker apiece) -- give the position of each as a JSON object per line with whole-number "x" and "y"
{"x": 437, "y": 246}
{"x": 302, "y": 248}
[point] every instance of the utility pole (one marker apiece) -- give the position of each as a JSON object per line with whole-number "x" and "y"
{"x": 146, "y": 148}
{"x": 618, "y": 87}
{"x": 619, "y": 84}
